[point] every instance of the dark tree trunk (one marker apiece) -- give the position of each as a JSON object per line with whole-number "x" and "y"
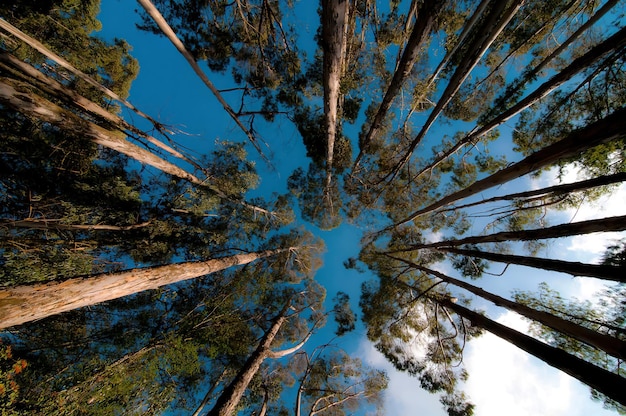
{"x": 563, "y": 230}
{"x": 606, "y": 382}
{"x": 601, "y": 271}
{"x": 606, "y": 343}
{"x": 609, "y": 128}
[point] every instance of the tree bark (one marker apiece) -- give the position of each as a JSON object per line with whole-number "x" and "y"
{"x": 227, "y": 403}
{"x": 551, "y": 190}
{"x": 45, "y": 224}
{"x": 65, "y": 64}
{"x": 154, "y": 13}
{"x": 613, "y": 43}
{"x": 606, "y": 343}
{"x": 609, "y": 128}
{"x": 599, "y": 271}
{"x": 422, "y": 28}
{"x": 606, "y": 382}
{"x": 334, "y": 42}
{"x": 21, "y": 304}
{"x": 32, "y": 105}
{"x": 557, "y": 231}
{"x": 494, "y": 24}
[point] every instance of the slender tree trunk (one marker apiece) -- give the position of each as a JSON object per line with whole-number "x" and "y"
{"x": 232, "y": 394}
{"x": 65, "y": 64}
{"x": 21, "y": 304}
{"x": 207, "y": 397}
{"x": 606, "y": 382}
{"x": 555, "y": 190}
{"x": 495, "y": 22}
{"x": 420, "y": 33}
{"x": 334, "y": 40}
{"x": 609, "y": 128}
{"x": 557, "y": 231}
{"x": 154, "y": 13}
{"x": 55, "y": 88}
{"x": 39, "y": 108}
{"x": 44, "y": 224}
{"x": 613, "y": 43}
{"x": 600, "y": 271}
{"x": 606, "y": 343}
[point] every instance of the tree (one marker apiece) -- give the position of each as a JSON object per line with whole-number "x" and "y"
{"x": 26, "y": 303}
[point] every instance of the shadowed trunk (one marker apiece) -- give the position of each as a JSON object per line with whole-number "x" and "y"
{"x": 606, "y": 382}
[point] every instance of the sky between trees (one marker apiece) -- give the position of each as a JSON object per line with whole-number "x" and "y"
{"x": 402, "y": 134}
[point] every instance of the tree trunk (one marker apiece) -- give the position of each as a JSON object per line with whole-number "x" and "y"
{"x": 55, "y": 88}
{"x": 334, "y": 43}
{"x": 599, "y": 271}
{"x": 494, "y": 24}
{"x": 606, "y": 343}
{"x": 154, "y": 13}
{"x": 44, "y": 224}
{"x": 21, "y": 304}
{"x": 31, "y": 105}
{"x": 606, "y": 382}
{"x": 613, "y": 43}
{"x": 552, "y": 190}
{"x": 609, "y": 128}
{"x": 557, "y": 231}
{"x": 422, "y": 28}
{"x": 227, "y": 403}
{"x": 38, "y": 46}
{"x": 207, "y": 397}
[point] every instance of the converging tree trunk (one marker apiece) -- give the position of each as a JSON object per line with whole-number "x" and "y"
{"x": 609, "y": 128}
{"x": 613, "y": 43}
{"x": 334, "y": 41}
{"x": 600, "y": 271}
{"x": 422, "y": 28}
{"x": 494, "y": 24}
{"x": 557, "y": 231}
{"x": 21, "y": 304}
{"x": 227, "y": 402}
{"x": 606, "y": 343}
{"x": 606, "y": 382}
{"x": 158, "y": 18}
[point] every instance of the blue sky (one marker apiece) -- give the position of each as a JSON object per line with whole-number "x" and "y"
{"x": 502, "y": 378}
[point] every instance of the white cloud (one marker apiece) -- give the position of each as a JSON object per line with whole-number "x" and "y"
{"x": 404, "y": 396}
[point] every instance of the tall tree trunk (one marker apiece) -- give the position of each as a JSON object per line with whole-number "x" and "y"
{"x": 606, "y": 343}
{"x": 606, "y": 382}
{"x": 421, "y": 31}
{"x": 555, "y": 190}
{"x": 557, "y": 231}
{"x": 21, "y": 304}
{"x": 31, "y": 105}
{"x": 207, "y": 396}
{"x": 232, "y": 394}
{"x": 494, "y": 24}
{"x": 45, "y": 224}
{"x": 334, "y": 43}
{"x": 38, "y": 46}
{"x": 599, "y": 271}
{"x": 596, "y": 53}
{"x": 609, "y": 128}
{"x": 55, "y": 88}
{"x": 158, "y": 18}
{"x": 20, "y": 99}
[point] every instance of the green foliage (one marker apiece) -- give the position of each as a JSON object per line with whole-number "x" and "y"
{"x": 344, "y": 316}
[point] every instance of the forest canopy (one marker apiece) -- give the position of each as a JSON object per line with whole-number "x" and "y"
{"x": 149, "y": 269}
